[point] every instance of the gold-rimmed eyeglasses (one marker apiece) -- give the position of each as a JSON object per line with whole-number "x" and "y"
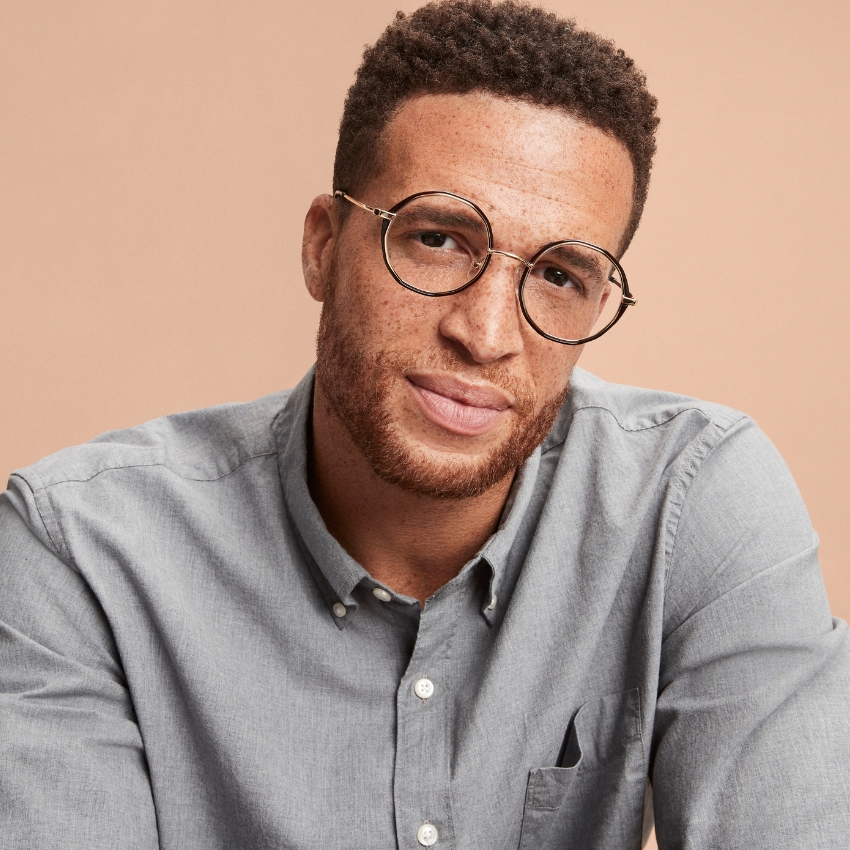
{"x": 438, "y": 243}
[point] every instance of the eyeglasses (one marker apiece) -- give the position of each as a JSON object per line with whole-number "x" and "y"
{"x": 438, "y": 243}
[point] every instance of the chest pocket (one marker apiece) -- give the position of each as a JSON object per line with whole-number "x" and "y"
{"x": 597, "y": 801}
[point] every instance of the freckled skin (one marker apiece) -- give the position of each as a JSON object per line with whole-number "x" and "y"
{"x": 539, "y": 175}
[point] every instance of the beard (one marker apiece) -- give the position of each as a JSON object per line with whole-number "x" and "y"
{"x": 358, "y": 387}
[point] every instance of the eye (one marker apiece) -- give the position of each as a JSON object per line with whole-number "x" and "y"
{"x": 557, "y": 277}
{"x": 436, "y": 239}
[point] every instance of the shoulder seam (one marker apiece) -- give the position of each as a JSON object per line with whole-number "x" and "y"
{"x": 143, "y": 466}
{"x": 52, "y": 530}
{"x": 670, "y": 418}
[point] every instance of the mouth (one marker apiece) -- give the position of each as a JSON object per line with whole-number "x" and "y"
{"x": 459, "y": 407}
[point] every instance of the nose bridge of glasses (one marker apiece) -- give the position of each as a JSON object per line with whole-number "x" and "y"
{"x": 513, "y": 271}
{"x": 516, "y": 257}
{"x": 491, "y": 251}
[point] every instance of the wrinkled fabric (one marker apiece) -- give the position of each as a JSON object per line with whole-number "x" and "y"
{"x": 650, "y": 609}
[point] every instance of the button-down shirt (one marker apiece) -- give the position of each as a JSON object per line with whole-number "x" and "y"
{"x": 188, "y": 659}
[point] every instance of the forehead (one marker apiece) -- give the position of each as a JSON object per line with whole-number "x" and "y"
{"x": 529, "y": 167}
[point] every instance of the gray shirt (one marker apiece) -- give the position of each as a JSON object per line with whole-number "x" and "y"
{"x": 189, "y": 660}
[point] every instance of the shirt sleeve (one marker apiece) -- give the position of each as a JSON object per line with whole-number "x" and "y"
{"x": 73, "y": 773}
{"x": 751, "y": 743}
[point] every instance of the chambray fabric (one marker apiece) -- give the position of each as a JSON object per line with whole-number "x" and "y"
{"x": 172, "y": 673}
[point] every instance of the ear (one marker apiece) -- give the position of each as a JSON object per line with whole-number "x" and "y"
{"x": 321, "y": 229}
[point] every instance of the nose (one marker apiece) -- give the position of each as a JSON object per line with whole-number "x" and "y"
{"x": 486, "y": 319}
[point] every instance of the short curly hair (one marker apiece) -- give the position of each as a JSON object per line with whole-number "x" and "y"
{"x": 508, "y": 49}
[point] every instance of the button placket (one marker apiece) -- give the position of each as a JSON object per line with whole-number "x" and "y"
{"x": 421, "y": 784}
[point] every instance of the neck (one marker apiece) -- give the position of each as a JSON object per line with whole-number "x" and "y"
{"x": 410, "y": 542}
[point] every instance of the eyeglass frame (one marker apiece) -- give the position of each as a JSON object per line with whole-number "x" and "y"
{"x": 387, "y": 216}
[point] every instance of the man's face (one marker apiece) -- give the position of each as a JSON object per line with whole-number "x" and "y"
{"x": 448, "y": 396}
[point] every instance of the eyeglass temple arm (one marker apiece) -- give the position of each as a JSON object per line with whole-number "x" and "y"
{"x": 626, "y": 299}
{"x": 338, "y": 193}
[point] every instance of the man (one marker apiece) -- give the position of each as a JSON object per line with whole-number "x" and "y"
{"x": 450, "y": 591}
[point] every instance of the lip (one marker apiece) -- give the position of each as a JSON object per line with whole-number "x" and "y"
{"x": 457, "y": 406}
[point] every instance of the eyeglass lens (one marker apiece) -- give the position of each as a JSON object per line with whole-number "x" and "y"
{"x": 437, "y": 244}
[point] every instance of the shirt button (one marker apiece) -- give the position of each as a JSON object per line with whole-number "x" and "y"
{"x": 340, "y": 609}
{"x": 424, "y": 688}
{"x": 426, "y": 835}
{"x": 493, "y": 601}
{"x": 382, "y": 594}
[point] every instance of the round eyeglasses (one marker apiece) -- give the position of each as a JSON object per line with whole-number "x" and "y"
{"x": 438, "y": 243}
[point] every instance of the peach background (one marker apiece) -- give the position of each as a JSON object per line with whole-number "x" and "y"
{"x": 157, "y": 158}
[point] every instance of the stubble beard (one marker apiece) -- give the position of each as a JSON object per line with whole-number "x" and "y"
{"x": 358, "y": 388}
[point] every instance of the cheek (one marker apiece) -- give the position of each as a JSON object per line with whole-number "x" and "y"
{"x": 374, "y": 304}
{"x": 551, "y": 367}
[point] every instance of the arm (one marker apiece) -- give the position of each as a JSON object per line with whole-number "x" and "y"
{"x": 752, "y": 733}
{"x": 72, "y": 765}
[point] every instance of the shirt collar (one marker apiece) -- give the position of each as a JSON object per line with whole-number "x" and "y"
{"x": 337, "y": 573}
{"x": 496, "y": 549}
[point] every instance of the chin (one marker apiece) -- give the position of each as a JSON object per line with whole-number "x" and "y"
{"x": 438, "y": 469}
{"x": 448, "y": 476}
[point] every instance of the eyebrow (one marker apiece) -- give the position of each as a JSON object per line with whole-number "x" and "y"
{"x": 588, "y": 262}
{"x": 429, "y": 214}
